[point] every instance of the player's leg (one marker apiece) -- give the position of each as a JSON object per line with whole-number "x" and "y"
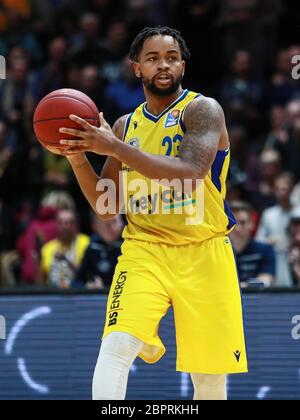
{"x": 208, "y": 311}
{"x": 117, "y": 354}
{"x": 209, "y": 387}
{"x": 137, "y": 301}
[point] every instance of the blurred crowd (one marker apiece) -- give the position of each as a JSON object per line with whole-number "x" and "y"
{"x": 242, "y": 54}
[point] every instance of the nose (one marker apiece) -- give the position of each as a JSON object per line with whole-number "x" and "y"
{"x": 163, "y": 64}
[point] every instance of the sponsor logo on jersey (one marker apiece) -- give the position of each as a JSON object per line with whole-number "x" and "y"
{"x": 115, "y": 304}
{"x": 172, "y": 118}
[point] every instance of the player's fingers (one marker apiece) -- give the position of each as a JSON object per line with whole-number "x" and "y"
{"x": 70, "y": 151}
{"x": 103, "y": 122}
{"x": 73, "y": 143}
{"x": 75, "y": 151}
{"x": 80, "y": 121}
{"x": 72, "y": 132}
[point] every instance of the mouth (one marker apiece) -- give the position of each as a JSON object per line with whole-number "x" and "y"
{"x": 164, "y": 79}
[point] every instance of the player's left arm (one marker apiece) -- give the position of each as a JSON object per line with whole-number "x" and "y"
{"x": 205, "y": 125}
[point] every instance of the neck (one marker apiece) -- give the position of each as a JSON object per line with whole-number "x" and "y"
{"x": 157, "y": 104}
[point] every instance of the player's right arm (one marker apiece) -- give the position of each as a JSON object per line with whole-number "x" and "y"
{"x": 88, "y": 179}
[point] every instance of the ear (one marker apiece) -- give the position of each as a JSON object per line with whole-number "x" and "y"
{"x": 184, "y": 67}
{"x": 137, "y": 69}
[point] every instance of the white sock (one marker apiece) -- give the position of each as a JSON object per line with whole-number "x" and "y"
{"x": 209, "y": 387}
{"x": 117, "y": 354}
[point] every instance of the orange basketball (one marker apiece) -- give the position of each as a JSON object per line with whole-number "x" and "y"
{"x": 53, "y": 112}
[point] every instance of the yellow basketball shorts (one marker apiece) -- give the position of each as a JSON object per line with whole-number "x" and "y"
{"x": 201, "y": 282}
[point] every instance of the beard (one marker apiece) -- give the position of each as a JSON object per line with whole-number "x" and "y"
{"x": 162, "y": 92}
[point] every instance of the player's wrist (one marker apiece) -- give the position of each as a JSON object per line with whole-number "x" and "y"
{"x": 115, "y": 148}
{"x": 78, "y": 160}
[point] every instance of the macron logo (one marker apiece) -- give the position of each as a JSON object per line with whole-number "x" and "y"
{"x": 237, "y": 356}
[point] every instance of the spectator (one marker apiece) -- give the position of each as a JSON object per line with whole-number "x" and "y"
{"x": 58, "y": 173}
{"x": 239, "y": 155}
{"x": 116, "y": 45}
{"x": 127, "y": 92}
{"x": 249, "y": 25}
{"x": 59, "y": 200}
{"x": 5, "y": 148}
{"x": 17, "y": 100}
{"x": 100, "y": 259}
{"x": 17, "y": 34}
{"x": 72, "y": 77}
{"x": 41, "y": 230}
{"x": 279, "y": 129}
{"x": 285, "y": 136}
{"x": 61, "y": 257}
{"x": 242, "y": 95}
{"x": 274, "y": 224}
{"x": 261, "y": 190}
{"x": 108, "y": 10}
{"x": 283, "y": 87}
{"x": 93, "y": 85}
{"x": 87, "y": 48}
{"x": 138, "y": 16}
{"x": 8, "y": 256}
{"x": 50, "y": 77}
{"x": 293, "y": 110}
{"x": 294, "y": 251}
{"x": 255, "y": 260}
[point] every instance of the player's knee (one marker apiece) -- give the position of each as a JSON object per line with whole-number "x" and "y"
{"x": 118, "y": 352}
{"x": 209, "y": 387}
{"x": 120, "y": 347}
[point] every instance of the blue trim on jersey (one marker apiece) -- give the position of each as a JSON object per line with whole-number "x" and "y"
{"x": 216, "y": 171}
{"x": 217, "y": 168}
{"x": 181, "y": 122}
{"x": 127, "y": 126}
{"x": 229, "y": 214}
{"x": 157, "y": 118}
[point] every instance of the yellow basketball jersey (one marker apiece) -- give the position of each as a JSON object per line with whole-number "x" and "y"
{"x": 158, "y": 213}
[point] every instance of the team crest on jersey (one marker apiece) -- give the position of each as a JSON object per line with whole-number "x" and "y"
{"x": 135, "y": 143}
{"x": 172, "y": 118}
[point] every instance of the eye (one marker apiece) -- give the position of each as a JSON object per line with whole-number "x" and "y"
{"x": 151, "y": 59}
{"x": 172, "y": 58}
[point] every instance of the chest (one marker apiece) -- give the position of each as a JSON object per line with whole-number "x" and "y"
{"x": 163, "y": 137}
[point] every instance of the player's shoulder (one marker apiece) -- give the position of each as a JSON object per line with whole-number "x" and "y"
{"x": 205, "y": 112}
{"x": 204, "y": 104}
{"x": 119, "y": 125}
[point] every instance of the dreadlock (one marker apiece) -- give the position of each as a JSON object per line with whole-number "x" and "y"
{"x": 146, "y": 33}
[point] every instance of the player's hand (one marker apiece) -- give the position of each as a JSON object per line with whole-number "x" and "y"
{"x": 90, "y": 139}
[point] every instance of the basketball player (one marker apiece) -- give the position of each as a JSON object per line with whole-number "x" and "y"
{"x": 176, "y": 134}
